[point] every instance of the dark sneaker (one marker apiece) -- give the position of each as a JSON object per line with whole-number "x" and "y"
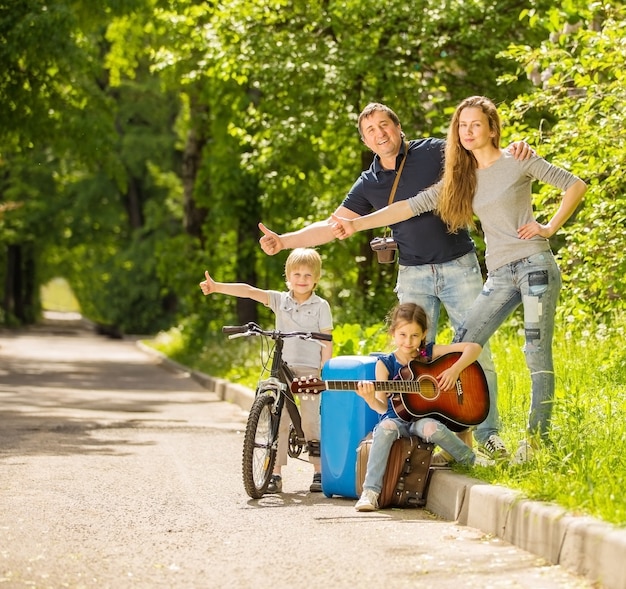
{"x": 276, "y": 484}
{"x": 494, "y": 447}
{"x": 316, "y": 485}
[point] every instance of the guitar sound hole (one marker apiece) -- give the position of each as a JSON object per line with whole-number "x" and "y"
{"x": 428, "y": 387}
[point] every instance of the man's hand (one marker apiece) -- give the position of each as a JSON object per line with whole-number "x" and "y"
{"x": 342, "y": 227}
{"x": 271, "y": 243}
{"x": 521, "y": 150}
{"x": 208, "y": 285}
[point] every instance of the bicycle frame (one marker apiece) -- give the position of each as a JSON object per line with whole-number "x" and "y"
{"x": 279, "y": 381}
{"x": 260, "y": 445}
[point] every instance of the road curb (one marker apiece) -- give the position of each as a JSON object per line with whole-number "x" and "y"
{"x": 583, "y": 545}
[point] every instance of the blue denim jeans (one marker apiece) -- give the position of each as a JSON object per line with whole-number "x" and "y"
{"x": 389, "y": 430}
{"x": 455, "y": 285}
{"x": 535, "y": 283}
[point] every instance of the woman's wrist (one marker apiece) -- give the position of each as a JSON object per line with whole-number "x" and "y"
{"x": 357, "y": 224}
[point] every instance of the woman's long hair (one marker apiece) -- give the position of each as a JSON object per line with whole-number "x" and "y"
{"x": 459, "y": 176}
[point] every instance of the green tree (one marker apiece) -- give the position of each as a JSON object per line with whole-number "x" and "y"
{"x": 145, "y": 139}
{"x": 578, "y": 100}
{"x": 57, "y": 128}
{"x": 307, "y": 70}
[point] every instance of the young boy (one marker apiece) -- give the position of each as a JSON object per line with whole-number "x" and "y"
{"x": 299, "y": 309}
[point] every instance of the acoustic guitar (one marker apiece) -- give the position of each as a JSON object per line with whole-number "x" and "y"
{"x": 416, "y": 393}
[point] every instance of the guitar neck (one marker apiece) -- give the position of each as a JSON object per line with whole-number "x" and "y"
{"x": 391, "y": 386}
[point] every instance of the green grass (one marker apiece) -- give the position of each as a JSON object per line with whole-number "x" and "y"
{"x": 583, "y": 469}
{"x": 57, "y": 295}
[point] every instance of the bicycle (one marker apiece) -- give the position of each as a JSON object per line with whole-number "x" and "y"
{"x": 260, "y": 444}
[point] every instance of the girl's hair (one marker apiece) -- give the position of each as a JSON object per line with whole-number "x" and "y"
{"x": 373, "y": 107}
{"x": 408, "y": 313}
{"x": 459, "y": 176}
{"x": 304, "y": 256}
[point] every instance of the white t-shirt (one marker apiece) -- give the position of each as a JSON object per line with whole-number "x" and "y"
{"x": 311, "y": 315}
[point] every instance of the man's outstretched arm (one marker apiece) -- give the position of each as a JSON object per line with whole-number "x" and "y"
{"x": 317, "y": 233}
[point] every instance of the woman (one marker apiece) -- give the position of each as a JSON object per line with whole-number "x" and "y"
{"x": 480, "y": 178}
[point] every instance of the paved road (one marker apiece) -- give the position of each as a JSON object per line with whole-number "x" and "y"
{"x": 117, "y": 473}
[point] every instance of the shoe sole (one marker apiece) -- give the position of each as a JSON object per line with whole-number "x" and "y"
{"x": 498, "y": 456}
{"x": 365, "y": 508}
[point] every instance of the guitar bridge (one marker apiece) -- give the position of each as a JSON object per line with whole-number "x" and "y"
{"x": 459, "y": 392}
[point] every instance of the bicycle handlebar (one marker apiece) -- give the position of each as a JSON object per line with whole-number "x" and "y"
{"x": 228, "y": 329}
{"x": 254, "y": 329}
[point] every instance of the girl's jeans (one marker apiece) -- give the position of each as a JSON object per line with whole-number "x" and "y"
{"x": 455, "y": 285}
{"x": 534, "y": 282}
{"x": 390, "y": 429}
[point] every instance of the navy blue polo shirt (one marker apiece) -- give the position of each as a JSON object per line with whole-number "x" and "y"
{"x": 423, "y": 239}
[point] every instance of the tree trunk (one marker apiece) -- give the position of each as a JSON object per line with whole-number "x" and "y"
{"x": 248, "y": 247}
{"x": 194, "y": 216}
{"x": 20, "y": 296}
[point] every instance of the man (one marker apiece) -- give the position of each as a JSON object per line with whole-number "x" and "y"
{"x": 435, "y": 267}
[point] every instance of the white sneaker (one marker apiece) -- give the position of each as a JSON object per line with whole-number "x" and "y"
{"x": 494, "y": 447}
{"x": 484, "y": 462}
{"x": 524, "y": 453}
{"x": 368, "y": 501}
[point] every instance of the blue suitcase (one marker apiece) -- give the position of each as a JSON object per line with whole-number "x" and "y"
{"x": 345, "y": 420}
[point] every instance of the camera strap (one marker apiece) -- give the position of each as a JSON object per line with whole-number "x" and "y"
{"x": 392, "y": 194}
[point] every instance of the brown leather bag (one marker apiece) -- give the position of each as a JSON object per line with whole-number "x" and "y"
{"x": 405, "y": 483}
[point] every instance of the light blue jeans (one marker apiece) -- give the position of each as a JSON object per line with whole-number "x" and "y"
{"x": 390, "y": 429}
{"x": 535, "y": 283}
{"x": 455, "y": 285}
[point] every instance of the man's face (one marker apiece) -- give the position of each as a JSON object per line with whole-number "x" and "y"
{"x": 381, "y": 135}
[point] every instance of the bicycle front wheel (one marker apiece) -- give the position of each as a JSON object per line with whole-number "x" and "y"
{"x": 259, "y": 446}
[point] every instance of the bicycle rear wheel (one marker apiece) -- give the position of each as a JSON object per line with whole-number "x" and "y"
{"x": 259, "y": 446}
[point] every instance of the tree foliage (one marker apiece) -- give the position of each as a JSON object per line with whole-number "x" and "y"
{"x": 143, "y": 140}
{"x": 578, "y": 101}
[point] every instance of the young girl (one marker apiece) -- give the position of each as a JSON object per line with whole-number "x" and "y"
{"x": 299, "y": 309}
{"x": 407, "y": 327}
{"x": 482, "y": 179}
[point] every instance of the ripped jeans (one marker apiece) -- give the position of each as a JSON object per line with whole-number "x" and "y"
{"x": 455, "y": 285}
{"x": 389, "y": 429}
{"x": 535, "y": 283}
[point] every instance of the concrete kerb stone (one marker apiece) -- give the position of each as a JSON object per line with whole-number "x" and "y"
{"x": 584, "y": 545}
{"x": 595, "y": 550}
{"x": 448, "y": 493}
{"x": 536, "y": 527}
{"x": 239, "y": 394}
{"x": 226, "y": 391}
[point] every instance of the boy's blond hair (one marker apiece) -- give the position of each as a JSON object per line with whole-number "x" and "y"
{"x": 304, "y": 256}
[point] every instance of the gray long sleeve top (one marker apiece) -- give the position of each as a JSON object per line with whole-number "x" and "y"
{"x": 503, "y": 203}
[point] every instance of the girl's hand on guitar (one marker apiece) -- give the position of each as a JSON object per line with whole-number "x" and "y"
{"x": 366, "y": 390}
{"x": 447, "y": 379}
